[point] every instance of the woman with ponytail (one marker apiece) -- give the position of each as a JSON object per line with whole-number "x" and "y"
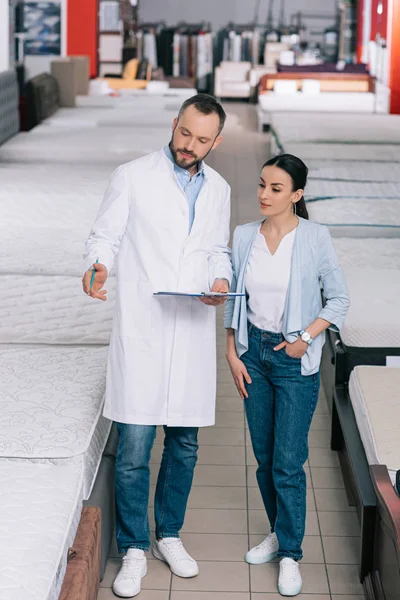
{"x": 274, "y": 345}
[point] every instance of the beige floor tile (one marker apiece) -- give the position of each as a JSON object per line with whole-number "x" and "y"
{"x": 321, "y": 457}
{"x": 221, "y": 436}
{"x": 107, "y": 594}
{"x": 158, "y": 575}
{"x": 252, "y": 480}
{"x": 342, "y": 550}
{"x": 216, "y": 547}
{"x": 215, "y": 521}
{"x": 328, "y": 478}
{"x": 234, "y": 476}
{"x": 230, "y": 405}
{"x": 258, "y": 523}
{"x": 222, "y": 455}
{"x": 256, "y": 503}
{"x": 343, "y": 579}
{"x": 332, "y": 500}
{"x": 279, "y": 597}
{"x": 216, "y": 577}
{"x": 339, "y": 524}
{"x": 217, "y": 497}
{"x": 318, "y": 439}
{"x": 229, "y": 419}
{"x": 312, "y": 548}
{"x": 210, "y": 596}
{"x": 321, "y": 422}
{"x": 348, "y": 597}
{"x": 250, "y": 458}
{"x": 227, "y": 389}
{"x": 264, "y": 578}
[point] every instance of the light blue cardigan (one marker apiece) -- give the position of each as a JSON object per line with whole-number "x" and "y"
{"x": 314, "y": 265}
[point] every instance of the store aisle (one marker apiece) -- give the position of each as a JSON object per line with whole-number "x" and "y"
{"x": 225, "y": 514}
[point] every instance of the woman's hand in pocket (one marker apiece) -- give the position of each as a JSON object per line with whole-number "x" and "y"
{"x": 240, "y": 375}
{"x": 295, "y": 350}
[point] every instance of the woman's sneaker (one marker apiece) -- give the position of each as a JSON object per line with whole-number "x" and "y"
{"x": 289, "y": 582}
{"x": 128, "y": 582}
{"x": 264, "y": 552}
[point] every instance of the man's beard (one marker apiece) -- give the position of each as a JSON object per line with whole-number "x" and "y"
{"x": 186, "y": 163}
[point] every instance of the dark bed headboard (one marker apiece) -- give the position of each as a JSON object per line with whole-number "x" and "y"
{"x": 43, "y": 98}
{"x": 9, "y": 101}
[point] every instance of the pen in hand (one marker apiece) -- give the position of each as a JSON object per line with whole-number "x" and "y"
{"x": 93, "y": 276}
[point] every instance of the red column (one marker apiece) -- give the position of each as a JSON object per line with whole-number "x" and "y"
{"x": 82, "y": 31}
{"x": 360, "y": 27}
{"x": 394, "y": 81}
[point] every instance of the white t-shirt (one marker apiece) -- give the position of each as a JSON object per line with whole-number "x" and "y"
{"x": 267, "y": 282}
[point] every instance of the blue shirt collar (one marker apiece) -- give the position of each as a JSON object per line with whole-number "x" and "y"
{"x": 179, "y": 169}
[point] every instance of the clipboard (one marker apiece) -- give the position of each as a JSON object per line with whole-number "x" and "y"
{"x": 200, "y": 294}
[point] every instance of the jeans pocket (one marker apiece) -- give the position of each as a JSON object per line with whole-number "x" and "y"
{"x": 288, "y": 355}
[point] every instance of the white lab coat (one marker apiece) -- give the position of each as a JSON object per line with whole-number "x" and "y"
{"x": 162, "y": 357}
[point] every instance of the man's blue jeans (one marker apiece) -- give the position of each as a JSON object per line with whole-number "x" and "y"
{"x": 133, "y": 483}
{"x": 279, "y": 411}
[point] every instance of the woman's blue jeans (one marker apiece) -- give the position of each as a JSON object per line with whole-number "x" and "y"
{"x": 133, "y": 483}
{"x": 279, "y": 411}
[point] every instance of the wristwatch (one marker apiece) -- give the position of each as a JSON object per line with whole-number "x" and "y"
{"x": 306, "y": 337}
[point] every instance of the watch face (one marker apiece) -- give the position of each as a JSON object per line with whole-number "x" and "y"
{"x": 306, "y": 337}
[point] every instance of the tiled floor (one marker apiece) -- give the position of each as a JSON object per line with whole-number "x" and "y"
{"x": 225, "y": 515}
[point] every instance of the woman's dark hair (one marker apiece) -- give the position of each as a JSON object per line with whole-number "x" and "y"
{"x": 298, "y": 171}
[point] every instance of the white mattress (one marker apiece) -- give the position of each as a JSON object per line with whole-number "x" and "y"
{"x": 373, "y": 319}
{"x": 316, "y": 127}
{"x": 362, "y": 216}
{"x": 352, "y": 171}
{"x": 51, "y": 403}
{"x": 374, "y": 394}
{"x": 360, "y": 151}
{"x": 365, "y": 253}
{"x": 42, "y": 250}
{"x": 359, "y": 189}
{"x": 52, "y": 310}
{"x": 40, "y": 509}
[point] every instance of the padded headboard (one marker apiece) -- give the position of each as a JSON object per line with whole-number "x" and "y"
{"x": 43, "y": 98}
{"x": 9, "y": 102}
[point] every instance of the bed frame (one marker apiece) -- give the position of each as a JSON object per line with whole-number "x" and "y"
{"x": 370, "y": 490}
{"x": 384, "y": 580}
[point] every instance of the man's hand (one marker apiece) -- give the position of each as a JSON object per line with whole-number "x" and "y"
{"x": 100, "y": 278}
{"x": 220, "y": 286}
{"x": 295, "y": 350}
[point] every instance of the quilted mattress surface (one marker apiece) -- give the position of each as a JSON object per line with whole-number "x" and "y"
{"x": 329, "y": 152}
{"x": 354, "y": 171}
{"x": 374, "y": 393}
{"x": 51, "y": 402}
{"x": 358, "y": 189}
{"x": 367, "y": 218}
{"x": 40, "y": 509}
{"x": 373, "y": 318}
{"x": 368, "y": 253}
{"x": 317, "y": 127}
{"x": 42, "y": 251}
{"x": 52, "y": 310}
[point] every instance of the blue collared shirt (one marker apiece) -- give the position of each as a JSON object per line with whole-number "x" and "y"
{"x": 191, "y": 186}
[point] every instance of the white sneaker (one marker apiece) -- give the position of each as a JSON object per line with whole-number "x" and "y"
{"x": 128, "y": 582}
{"x": 264, "y": 552}
{"x": 172, "y": 551}
{"x": 289, "y": 582}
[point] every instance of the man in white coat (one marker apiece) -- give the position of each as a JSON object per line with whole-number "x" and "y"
{"x": 165, "y": 217}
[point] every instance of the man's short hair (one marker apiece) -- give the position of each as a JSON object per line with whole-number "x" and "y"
{"x": 207, "y": 105}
